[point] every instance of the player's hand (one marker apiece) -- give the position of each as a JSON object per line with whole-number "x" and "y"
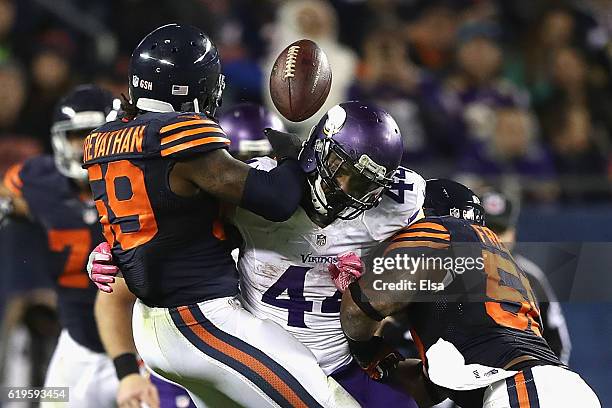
{"x": 346, "y": 270}
{"x": 100, "y": 267}
{"x": 284, "y": 145}
{"x": 137, "y": 391}
{"x": 376, "y": 357}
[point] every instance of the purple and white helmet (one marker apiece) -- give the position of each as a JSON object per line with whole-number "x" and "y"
{"x": 350, "y": 157}
{"x": 244, "y": 125}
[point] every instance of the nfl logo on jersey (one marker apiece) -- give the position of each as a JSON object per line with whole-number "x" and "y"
{"x": 321, "y": 239}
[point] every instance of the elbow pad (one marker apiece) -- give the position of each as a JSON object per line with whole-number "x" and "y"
{"x": 274, "y": 195}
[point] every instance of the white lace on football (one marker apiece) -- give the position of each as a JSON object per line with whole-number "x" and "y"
{"x": 290, "y": 61}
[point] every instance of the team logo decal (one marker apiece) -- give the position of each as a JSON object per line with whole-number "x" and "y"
{"x": 321, "y": 239}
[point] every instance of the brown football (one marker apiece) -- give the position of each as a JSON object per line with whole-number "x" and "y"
{"x": 300, "y": 80}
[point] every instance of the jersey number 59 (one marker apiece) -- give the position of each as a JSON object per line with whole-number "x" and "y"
{"x": 122, "y": 203}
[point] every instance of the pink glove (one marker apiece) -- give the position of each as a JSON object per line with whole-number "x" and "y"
{"x": 100, "y": 267}
{"x": 347, "y": 269}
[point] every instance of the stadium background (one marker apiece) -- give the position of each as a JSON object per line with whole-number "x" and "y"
{"x": 510, "y": 94}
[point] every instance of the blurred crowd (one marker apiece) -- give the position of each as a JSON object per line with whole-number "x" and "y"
{"x": 510, "y": 94}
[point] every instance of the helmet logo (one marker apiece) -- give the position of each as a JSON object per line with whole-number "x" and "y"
{"x": 141, "y": 83}
{"x": 180, "y": 90}
{"x": 336, "y": 117}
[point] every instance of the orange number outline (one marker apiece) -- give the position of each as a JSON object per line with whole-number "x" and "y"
{"x": 137, "y": 205}
{"x": 528, "y": 315}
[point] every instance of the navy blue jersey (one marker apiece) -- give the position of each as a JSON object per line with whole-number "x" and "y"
{"x": 168, "y": 247}
{"x": 72, "y": 232}
{"x": 488, "y": 311}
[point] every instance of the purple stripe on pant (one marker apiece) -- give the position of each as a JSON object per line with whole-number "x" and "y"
{"x": 368, "y": 392}
{"x": 170, "y": 395}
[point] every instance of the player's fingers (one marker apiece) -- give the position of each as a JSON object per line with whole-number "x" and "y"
{"x": 99, "y": 257}
{"x": 102, "y": 278}
{"x": 130, "y": 403}
{"x": 104, "y": 269}
{"x": 351, "y": 271}
{"x": 104, "y": 287}
{"x": 152, "y": 397}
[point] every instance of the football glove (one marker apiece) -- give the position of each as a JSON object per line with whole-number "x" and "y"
{"x": 284, "y": 145}
{"x": 346, "y": 270}
{"x": 6, "y": 209}
{"x": 100, "y": 267}
{"x": 376, "y": 357}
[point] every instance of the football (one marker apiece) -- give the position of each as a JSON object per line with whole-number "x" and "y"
{"x": 300, "y": 80}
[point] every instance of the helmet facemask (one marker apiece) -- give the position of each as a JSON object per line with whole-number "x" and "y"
{"x": 67, "y": 138}
{"x": 342, "y": 187}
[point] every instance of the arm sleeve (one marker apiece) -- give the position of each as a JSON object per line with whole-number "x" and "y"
{"x": 274, "y": 195}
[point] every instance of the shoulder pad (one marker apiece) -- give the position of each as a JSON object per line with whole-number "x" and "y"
{"x": 427, "y": 233}
{"x": 399, "y": 206}
{"x": 154, "y": 135}
{"x": 186, "y": 134}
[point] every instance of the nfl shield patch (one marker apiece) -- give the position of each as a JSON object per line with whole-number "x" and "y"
{"x": 321, "y": 239}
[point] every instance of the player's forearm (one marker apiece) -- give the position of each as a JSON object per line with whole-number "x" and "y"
{"x": 113, "y": 312}
{"x": 355, "y": 323}
{"x": 274, "y": 195}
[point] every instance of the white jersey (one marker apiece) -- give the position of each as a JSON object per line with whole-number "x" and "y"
{"x": 283, "y": 266}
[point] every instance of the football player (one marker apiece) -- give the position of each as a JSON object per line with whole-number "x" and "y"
{"x": 53, "y": 191}
{"x": 501, "y": 215}
{"x": 158, "y": 176}
{"x": 472, "y": 315}
{"x": 244, "y": 125}
{"x": 351, "y": 156}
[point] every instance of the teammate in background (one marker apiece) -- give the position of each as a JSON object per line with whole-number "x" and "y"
{"x": 479, "y": 336}
{"x": 244, "y": 124}
{"x": 158, "y": 176}
{"x": 501, "y": 215}
{"x": 53, "y": 191}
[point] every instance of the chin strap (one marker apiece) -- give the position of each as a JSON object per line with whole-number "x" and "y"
{"x": 318, "y": 196}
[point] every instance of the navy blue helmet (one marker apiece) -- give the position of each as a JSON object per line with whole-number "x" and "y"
{"x": 176, "y": 68}
{"x": 447, "y": 197}
{"x": 85, "y": 108}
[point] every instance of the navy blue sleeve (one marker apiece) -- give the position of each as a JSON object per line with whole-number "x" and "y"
{"x": 274, "y": 195}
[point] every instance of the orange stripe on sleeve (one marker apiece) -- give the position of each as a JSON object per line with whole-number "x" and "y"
{"x": 12, "y": 181}
{"x": 415, "y": 244}
{"x": 264, "y": 372}
{"x": 184, "y": 133}
{"x": 193, "y": 143}
{"x": 430, "y": 225}
{"x": 419, "y": 234}
{"x": 521, "y": 390}
{"x": 177, "y": 125}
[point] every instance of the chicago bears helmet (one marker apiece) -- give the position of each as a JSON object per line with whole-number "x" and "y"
{"x": 350, "y": 157}
{"x": 176, "y": 68}
{"x": 447, "y": 197}
{"x": 82, "y": 110}
{"x": 244, "y": 125}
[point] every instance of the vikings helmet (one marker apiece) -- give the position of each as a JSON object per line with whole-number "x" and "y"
{"x": 350, "y": 157}
{"x": 244, "y": 125}
{"x": 447, "y": 197}
{"x": 82, "y": 110}
{"x": 176, "y": 68}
